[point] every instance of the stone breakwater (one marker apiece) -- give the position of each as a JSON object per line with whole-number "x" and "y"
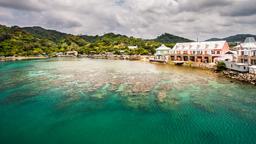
{"x": 244, "y": 77}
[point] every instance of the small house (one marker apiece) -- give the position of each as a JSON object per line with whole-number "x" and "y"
{"x": 162, "y": 54}
{"x": 71, "y": 53}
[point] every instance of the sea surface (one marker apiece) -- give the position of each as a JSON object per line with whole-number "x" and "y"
{"x": 85, "y": 101}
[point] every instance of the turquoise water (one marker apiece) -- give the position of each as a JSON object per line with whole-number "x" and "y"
{"x": 121, "y": 102}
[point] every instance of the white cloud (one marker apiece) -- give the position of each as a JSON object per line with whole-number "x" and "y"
{"x": 141, "y": 18}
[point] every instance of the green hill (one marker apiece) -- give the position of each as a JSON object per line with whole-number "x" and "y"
{"x": 233, "y": 39}
{"x": 168, "y": 38}
{"x": 30, "y": 41}
{"x": 52, "y": 35}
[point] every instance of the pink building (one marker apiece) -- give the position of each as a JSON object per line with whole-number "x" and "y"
{"x": 206, "y": 52}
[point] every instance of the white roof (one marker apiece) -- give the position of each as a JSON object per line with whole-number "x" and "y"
{"x": 209, "y": 45}
{"x": 241, "y": 64}
{"x": 162, "y": 48}
{"x": 248, "y": 45}
{"x": 132, "y": 46}
{"x": 249, "y": 40}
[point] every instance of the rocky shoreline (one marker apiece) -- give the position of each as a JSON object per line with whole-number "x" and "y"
{"x": 116, "y": 57}
{"x": 244, "y": 77}
{"x": 21, "y": 58}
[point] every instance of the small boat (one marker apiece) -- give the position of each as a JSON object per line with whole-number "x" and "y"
{"x": 158, "y": 60}
{"x": 178, "y": 62}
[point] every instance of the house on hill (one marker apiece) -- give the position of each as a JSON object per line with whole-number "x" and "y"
{"x": 132, "y": 47}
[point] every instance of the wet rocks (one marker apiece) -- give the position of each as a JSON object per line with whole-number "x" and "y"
{"x": 244, "y": 77}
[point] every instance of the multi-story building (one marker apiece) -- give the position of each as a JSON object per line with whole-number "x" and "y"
{"x": 206, "y": 52}
{"x": 247, "y": 51}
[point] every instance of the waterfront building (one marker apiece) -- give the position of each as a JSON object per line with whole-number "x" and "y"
{"x": 162, "y": 54}
{"x": 207, "y": 52}
{"x": 71, "y": 53}
{"x": 247, "y": 51}
{"x": 230, "y": 56}
{"x": 59, "y": 54}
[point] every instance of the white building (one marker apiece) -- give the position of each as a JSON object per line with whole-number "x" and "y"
{"x": 240, "y": 67}
{"x": 229, "y": 56}
{"x": 162, "y": 54}
{"x": 247, "y": 51}
{"x": 133, "y": 47}
{"x": 71, "y": 53}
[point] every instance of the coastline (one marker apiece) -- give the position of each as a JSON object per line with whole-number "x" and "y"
{"x": 117, "y": 57}
{"x": 242, "y": 77}
{"x": 237, "y": 76}
{"x": 21, "y": 58}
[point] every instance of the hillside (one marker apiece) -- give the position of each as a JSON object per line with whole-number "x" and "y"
{"x": 168, "y": 38}
{"x": 44, "y": 33}
{"x": 235, "y": 38}
{"x": 30, "y": 41}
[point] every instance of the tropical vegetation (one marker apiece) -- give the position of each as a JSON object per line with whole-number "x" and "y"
{"x": 31, "y": 41}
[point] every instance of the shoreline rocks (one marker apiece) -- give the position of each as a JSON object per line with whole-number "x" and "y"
{"x": 3, "y": 59}
{"x": 244, "y": 77}
{"x": 116, "y": 57}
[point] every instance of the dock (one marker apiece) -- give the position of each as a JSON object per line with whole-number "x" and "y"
{"x": 178, "y": 62}
{"x": 157, "y": 60}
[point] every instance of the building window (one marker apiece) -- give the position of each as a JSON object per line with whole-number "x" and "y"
{"x": 218, "y": 52}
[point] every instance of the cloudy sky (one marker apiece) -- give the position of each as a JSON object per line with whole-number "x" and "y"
{"x": 139, "y": 18}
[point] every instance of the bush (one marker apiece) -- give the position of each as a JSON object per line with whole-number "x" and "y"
{"x": 221, "y": 66}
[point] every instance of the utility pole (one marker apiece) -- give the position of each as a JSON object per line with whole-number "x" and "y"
{"x": 197, "y": 37}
